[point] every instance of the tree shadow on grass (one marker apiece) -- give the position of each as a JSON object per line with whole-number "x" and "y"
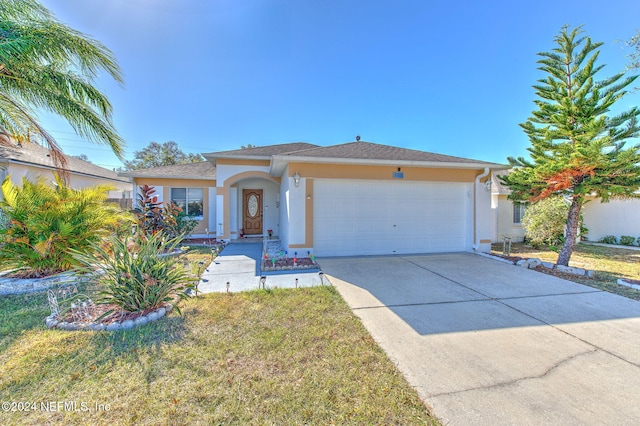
{"x": 20, "y": 313}
{"x": 166, "y": 330}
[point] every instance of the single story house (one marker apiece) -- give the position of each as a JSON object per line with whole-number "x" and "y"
{"x": 33, "y": 161}
{"x": 617, "y": 217}
{"x": 356, "y": 198}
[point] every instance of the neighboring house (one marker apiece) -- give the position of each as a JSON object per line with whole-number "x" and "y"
{"x": 356, "y": 198}
{"x": 617, "y": 217}
{"x": 506, "y": 215}
{"x": 32, "y": 161}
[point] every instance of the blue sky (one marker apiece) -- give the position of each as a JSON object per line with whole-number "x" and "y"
{"x": 452, "y": 77}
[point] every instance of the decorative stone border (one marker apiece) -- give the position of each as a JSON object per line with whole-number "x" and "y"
{"x": 490, "y": 256}
{"x": 534, "y": 263}
{"x": 266, "y": 268}
{"x": 51, "y": 322}
{"x": 628, "y": 284}
{"x": 31, "y": 285}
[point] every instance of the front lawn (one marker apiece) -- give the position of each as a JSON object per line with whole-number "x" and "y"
{"x": 296, "y": 356}
{"x": 609, "y": 264}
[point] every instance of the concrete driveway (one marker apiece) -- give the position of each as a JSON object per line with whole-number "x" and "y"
{"x": 488, "y": 343}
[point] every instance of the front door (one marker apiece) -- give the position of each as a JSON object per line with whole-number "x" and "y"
{"x": 252, "y": 211}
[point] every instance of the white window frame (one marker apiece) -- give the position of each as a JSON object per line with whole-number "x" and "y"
{"x": 520, "y": 208}
{"x": 201, "y": 217}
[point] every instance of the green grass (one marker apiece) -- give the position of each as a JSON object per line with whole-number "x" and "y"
{"x": 609, "y": 264}
{"x": 296, "y": 356}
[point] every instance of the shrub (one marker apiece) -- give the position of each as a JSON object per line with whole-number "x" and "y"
{"x": 45, "y": 221}
{"x": 609, "y": 239}
{"x": 183, "y": 224}
{"x": 139, "y": 277}
{"x": 153, "y": 218}
{"x": 544, "y": 221}
{"x": 627, "y": 240}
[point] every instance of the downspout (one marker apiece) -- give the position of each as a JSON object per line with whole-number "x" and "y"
{"x": 476, "y": 240}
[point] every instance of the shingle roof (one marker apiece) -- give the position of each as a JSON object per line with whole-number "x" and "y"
{"x": 32, "y": 153}
{"x": 373, "y": 151}
{"x": 264, "y": 151}
{"x": 347, "y": 151}
{"x": 199, "y": 170}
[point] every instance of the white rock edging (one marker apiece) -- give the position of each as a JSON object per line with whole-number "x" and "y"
{"x": 533, "y": 263}
{"x": 490, "y": 256}
{"x": 31, "y": 285}
{"x": 628, "y": 284}
{"x": 51, "y": 322}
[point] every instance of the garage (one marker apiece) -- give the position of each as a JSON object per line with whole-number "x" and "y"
{"x": 367, "y": 217}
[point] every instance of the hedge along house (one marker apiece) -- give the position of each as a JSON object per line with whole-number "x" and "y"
{"x": 356, "y": 198}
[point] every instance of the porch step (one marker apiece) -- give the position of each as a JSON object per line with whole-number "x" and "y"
{"x": 272, "y": 248}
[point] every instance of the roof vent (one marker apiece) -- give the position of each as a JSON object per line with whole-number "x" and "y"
{"x": 358, "y": 138}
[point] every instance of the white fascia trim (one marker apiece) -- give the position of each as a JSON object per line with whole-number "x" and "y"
{"x": 213, "y": 157}
{"x": 279, "y": 162}
{"x": 135, "y": 176}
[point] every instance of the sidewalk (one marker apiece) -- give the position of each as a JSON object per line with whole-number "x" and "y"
{"x": 239, "y": 265}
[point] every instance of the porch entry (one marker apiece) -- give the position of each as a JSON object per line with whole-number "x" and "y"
{"x": 252, "y": 211}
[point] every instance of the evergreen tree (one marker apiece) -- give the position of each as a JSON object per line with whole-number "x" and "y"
{"x": 634, "y": 57}
{"x": 577, "y": 147}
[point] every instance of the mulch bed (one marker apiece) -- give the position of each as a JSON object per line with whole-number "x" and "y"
{"x": 513, "y": 259}
{"x": 303, "y": 261}
{"x": 116, "y": 316}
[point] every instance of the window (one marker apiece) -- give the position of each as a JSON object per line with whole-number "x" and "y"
{"x": 189, "y": 200}
{"x": 518, "y": 212}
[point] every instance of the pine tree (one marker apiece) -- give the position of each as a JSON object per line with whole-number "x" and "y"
{"x": 577, "y": 148}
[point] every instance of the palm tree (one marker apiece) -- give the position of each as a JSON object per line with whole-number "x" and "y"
{"x": 45, "y": 65}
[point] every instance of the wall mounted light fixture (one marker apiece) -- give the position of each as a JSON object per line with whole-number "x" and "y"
{"x": 296, "y": 179}
{"x": 487, "y": 185}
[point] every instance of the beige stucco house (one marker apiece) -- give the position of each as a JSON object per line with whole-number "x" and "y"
{"x": 356, "y": 198}
{"x": 33, "y": 161}
{"x": 617, "y": 218}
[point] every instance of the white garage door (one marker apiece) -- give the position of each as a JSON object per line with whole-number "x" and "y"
{"x": 357, "y": 217}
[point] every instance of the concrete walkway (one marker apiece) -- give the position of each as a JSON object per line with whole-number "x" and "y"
{"x": 239, "y": 265}
{"x": 486, "y": 343}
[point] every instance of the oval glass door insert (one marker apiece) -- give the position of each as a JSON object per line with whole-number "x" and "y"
{"x": 253, "y": 205}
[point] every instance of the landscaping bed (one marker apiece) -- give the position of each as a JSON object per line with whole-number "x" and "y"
{"x": 286, "y": 264}
{"x": 106, "y": 317}
{"x": 608, "y": 263}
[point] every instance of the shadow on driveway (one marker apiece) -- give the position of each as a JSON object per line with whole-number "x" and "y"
{"x": 445, "y": 293}
{"x": 487, "y": 343}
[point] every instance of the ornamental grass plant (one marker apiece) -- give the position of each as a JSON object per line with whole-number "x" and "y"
{"x": 139, "y": 273}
